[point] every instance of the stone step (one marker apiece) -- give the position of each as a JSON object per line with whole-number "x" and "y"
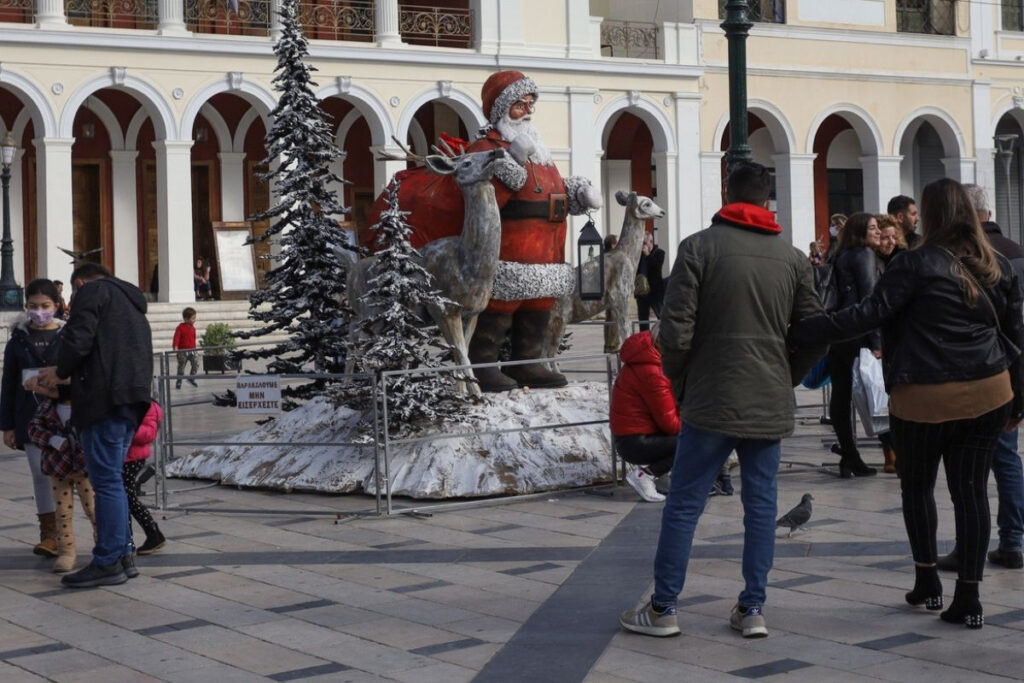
{"x": 164, "y": 318}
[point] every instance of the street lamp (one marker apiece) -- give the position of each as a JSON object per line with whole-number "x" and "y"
{"x": 1005, "y": 144}
{"x": 590, "y": 256}
{"x": 737, "y": 27}
{"x": 10, "y": 293}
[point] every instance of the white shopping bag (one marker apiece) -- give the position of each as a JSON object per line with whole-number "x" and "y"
{"x": 869, "y": 397}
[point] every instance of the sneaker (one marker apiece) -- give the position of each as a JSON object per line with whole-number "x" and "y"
{"x": 154, "y": 542}
{"x": 128, "y": 564}
{"x": 749, "y": 620}
{"x": 650, "y": 622}
{"x": 725, "y": 484}
{"x": 177, "y": 385}
{"x": 643, "y": 483}
{"x": 93, "y": 575}
{"x": 1011, "y": 559}
{"x": 192, "y": 382}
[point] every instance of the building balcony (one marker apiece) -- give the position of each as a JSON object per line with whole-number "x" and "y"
{"x": 631, "y": 39}
{"x": 761, "y": 11}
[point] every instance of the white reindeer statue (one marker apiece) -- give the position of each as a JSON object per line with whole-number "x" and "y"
{"x": 620, "y": 266}
{"x": 463, "y": 267}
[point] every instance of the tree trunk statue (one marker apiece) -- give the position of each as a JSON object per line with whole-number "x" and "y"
{"x": 620, "y": 266}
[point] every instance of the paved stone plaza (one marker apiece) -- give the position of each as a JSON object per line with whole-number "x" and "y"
{"x": 256, "y": 585}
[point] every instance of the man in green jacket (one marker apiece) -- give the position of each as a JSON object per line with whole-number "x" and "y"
{"x": 734, "y": 290}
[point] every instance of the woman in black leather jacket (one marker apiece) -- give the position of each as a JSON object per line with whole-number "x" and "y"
{"x": 951, "y": 318}
{"x": 856, "y": 270}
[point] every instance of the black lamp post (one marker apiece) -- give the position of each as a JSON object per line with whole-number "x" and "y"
{"x": 1005, "y": 145}
{"x": 737, "y": 27}
{"x": 11, "y": 298}
{"x": 590, "y": 256}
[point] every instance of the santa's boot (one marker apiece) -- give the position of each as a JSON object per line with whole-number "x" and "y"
{"x": 529, "y": 329}
{"x": 65, "y": 529}
{"x": 485, "y": 346}
{"x": 47, "y": 545}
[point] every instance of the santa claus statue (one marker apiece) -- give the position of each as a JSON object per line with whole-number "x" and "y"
{"x": 534, "y": 200}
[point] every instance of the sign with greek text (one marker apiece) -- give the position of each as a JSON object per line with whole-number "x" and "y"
{"x": 259, "y": 394}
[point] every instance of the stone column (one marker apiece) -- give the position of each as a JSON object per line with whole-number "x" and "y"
{"x": 174, "y": 219}
{"x": 383, "y": 170}
{"x": 686, "y": 212}
{"x": 232, "y": 186}
{"x": 581, "y": 158}
{"x": 387, "y": 18}
{"x": 666, "y": 191}
{"x": 985, "y": 168}
{"x": 50, "y": 14}
{"x": 577, "y": 19}
{"x": 17, "y": 216}
{"x": 710, "y": 186}
{"x": 54, "y": 227}
{"x": 881, "y": 181}
{"x": 171, "y": 17}
{"x": 126, "y": 215}
{"x": 961, "y": 170}
{"x": 275, "y": 20}
{"x": 794, "y": 193}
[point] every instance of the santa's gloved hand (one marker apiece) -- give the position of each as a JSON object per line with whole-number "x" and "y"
{"x": 588, "y": 197}
{"x": 521, "y": 148}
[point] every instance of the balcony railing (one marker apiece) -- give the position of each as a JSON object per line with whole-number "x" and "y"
{"x": 926, "y": 16}
{"x": 634, "y": 39}
{"x": 140, "y": 14}
{"x": 761, "y": 11}
{"x": 337, "y": 19}
{"x": 213, "y": 16}
{"x": 437, "y": 26}
{"x": 17, "y": 11}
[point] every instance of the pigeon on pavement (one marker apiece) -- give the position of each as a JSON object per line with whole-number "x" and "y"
{"x": 798, "y": 516}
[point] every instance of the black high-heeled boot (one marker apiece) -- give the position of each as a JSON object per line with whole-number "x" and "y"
{"x": 927, "y": 588}
{"x": 966, "y": 608}
{"x": 851, "y": 465}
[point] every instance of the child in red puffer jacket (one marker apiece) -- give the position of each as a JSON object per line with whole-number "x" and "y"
{"x": 134, "y": 463}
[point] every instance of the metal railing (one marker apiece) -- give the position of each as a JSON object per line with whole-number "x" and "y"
{"x": 437, "y": 26}
{"x": 937, "y": 17}
{"x": 137, "y": 14}
{"x": 17, "y": 11}
{"x": 213, "y": 16}
{"x": 338, "y": 19}
{"x": 633, "y": 39}
{"x": 761, "y": 11}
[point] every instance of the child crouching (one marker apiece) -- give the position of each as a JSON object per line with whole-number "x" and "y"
{"x": 63, "y": 460}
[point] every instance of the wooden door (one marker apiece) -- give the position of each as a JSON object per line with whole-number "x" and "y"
{"x": 202, "y": 225}
{"x": 258, "y": 197}
{"x": 149, "y": 247}
{"x": 87, "y": 210}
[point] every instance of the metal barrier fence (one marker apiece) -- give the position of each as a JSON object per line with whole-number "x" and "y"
{"x": 383, "y": 443}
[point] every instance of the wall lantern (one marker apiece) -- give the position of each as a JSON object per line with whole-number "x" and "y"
{"x": 590, "y": 256}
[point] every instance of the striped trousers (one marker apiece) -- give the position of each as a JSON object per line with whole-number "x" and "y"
{"x": 965, "y": 448}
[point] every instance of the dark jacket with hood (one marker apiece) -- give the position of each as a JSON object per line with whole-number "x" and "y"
{"x": 856, "y": 271}
{"x": 642, "y": 401}
{"x": 930, "y": 335}
{"x": 17, "y": 406}
{"x": 734, "y": 290}
{"x": 107, "y": 351}
{"x": 1013, "y": 252}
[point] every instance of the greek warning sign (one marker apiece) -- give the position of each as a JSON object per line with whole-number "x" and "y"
{"x": 259, "y": 394}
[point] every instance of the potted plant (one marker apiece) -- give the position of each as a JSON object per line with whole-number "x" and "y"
{"x": 218, "y": 342}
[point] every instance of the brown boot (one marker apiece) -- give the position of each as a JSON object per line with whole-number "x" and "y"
{"x": 485, "y": 346}
{"x": 47, "y": 545}
{"x": 529, "y": 328}
{"x": 64, "y": 497}
{"x": 890, "y": 460}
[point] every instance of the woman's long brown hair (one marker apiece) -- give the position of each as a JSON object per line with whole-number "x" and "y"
{"x": 949, "y": 220}
{"x": 855, "y": 233}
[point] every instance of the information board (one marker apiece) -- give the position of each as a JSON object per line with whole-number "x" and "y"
{"x": 235, "y": 258}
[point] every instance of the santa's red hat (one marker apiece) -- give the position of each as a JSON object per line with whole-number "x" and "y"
{"x": 503, "y": 89}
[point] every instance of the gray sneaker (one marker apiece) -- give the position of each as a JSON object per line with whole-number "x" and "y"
{"x": 650, "y": 622}
{"x": 749, "y": 620}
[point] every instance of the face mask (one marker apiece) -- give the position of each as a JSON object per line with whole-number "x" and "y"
{"x": 40, "y": 317}
{"x": 833, "y": 230}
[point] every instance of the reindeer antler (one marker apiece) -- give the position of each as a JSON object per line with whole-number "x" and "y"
{"x": 408, "y": 156}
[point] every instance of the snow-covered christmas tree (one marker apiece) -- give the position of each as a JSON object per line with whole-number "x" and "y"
{"x": 398, "y": 333}
{"x": 305, "y": 289}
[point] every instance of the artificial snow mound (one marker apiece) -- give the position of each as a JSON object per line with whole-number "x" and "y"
{"x": 468, "y": 465}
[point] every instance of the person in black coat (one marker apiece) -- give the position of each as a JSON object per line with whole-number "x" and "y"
{"x": 34, "y": 343}
{"x": 952, "y": 323}
{"x": 107, "y": 352}
{"x": 652, "y": 262}
{"x": 856, "y": 270}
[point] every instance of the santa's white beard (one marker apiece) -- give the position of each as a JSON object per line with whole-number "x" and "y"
{"x": 510, "y": 129}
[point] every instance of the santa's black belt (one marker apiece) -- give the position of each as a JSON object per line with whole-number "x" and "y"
{"x": 555, "y": 209}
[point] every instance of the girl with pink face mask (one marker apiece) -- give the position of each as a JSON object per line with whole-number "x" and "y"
{"x": 33, "y": 344}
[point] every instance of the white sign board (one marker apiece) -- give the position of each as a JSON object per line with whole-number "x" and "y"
{"x": 258, "y": 394}
{"x": 237, "y": 268}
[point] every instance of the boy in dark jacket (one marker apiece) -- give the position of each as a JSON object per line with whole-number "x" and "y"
{"x": 107, "y": 351}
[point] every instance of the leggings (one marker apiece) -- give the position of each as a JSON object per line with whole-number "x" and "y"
{"x": 130, "y": 471}
{"x": 965, "y": 448}
{"x": 41, "y": 485}
{"x": 840, "y": 369}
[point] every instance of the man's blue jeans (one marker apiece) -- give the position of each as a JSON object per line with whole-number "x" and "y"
{"x": 1009, "y": 475}
{"x": 699, "y": 457}
{"x": 106, "y": 444}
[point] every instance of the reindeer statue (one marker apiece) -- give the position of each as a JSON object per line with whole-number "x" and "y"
{"x": 463, "y": 267}
{"x": 620, "y": 266}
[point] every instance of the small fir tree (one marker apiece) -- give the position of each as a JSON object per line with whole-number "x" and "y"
{"x": 398, "y": 334}
{"x": 305, "y": 290}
